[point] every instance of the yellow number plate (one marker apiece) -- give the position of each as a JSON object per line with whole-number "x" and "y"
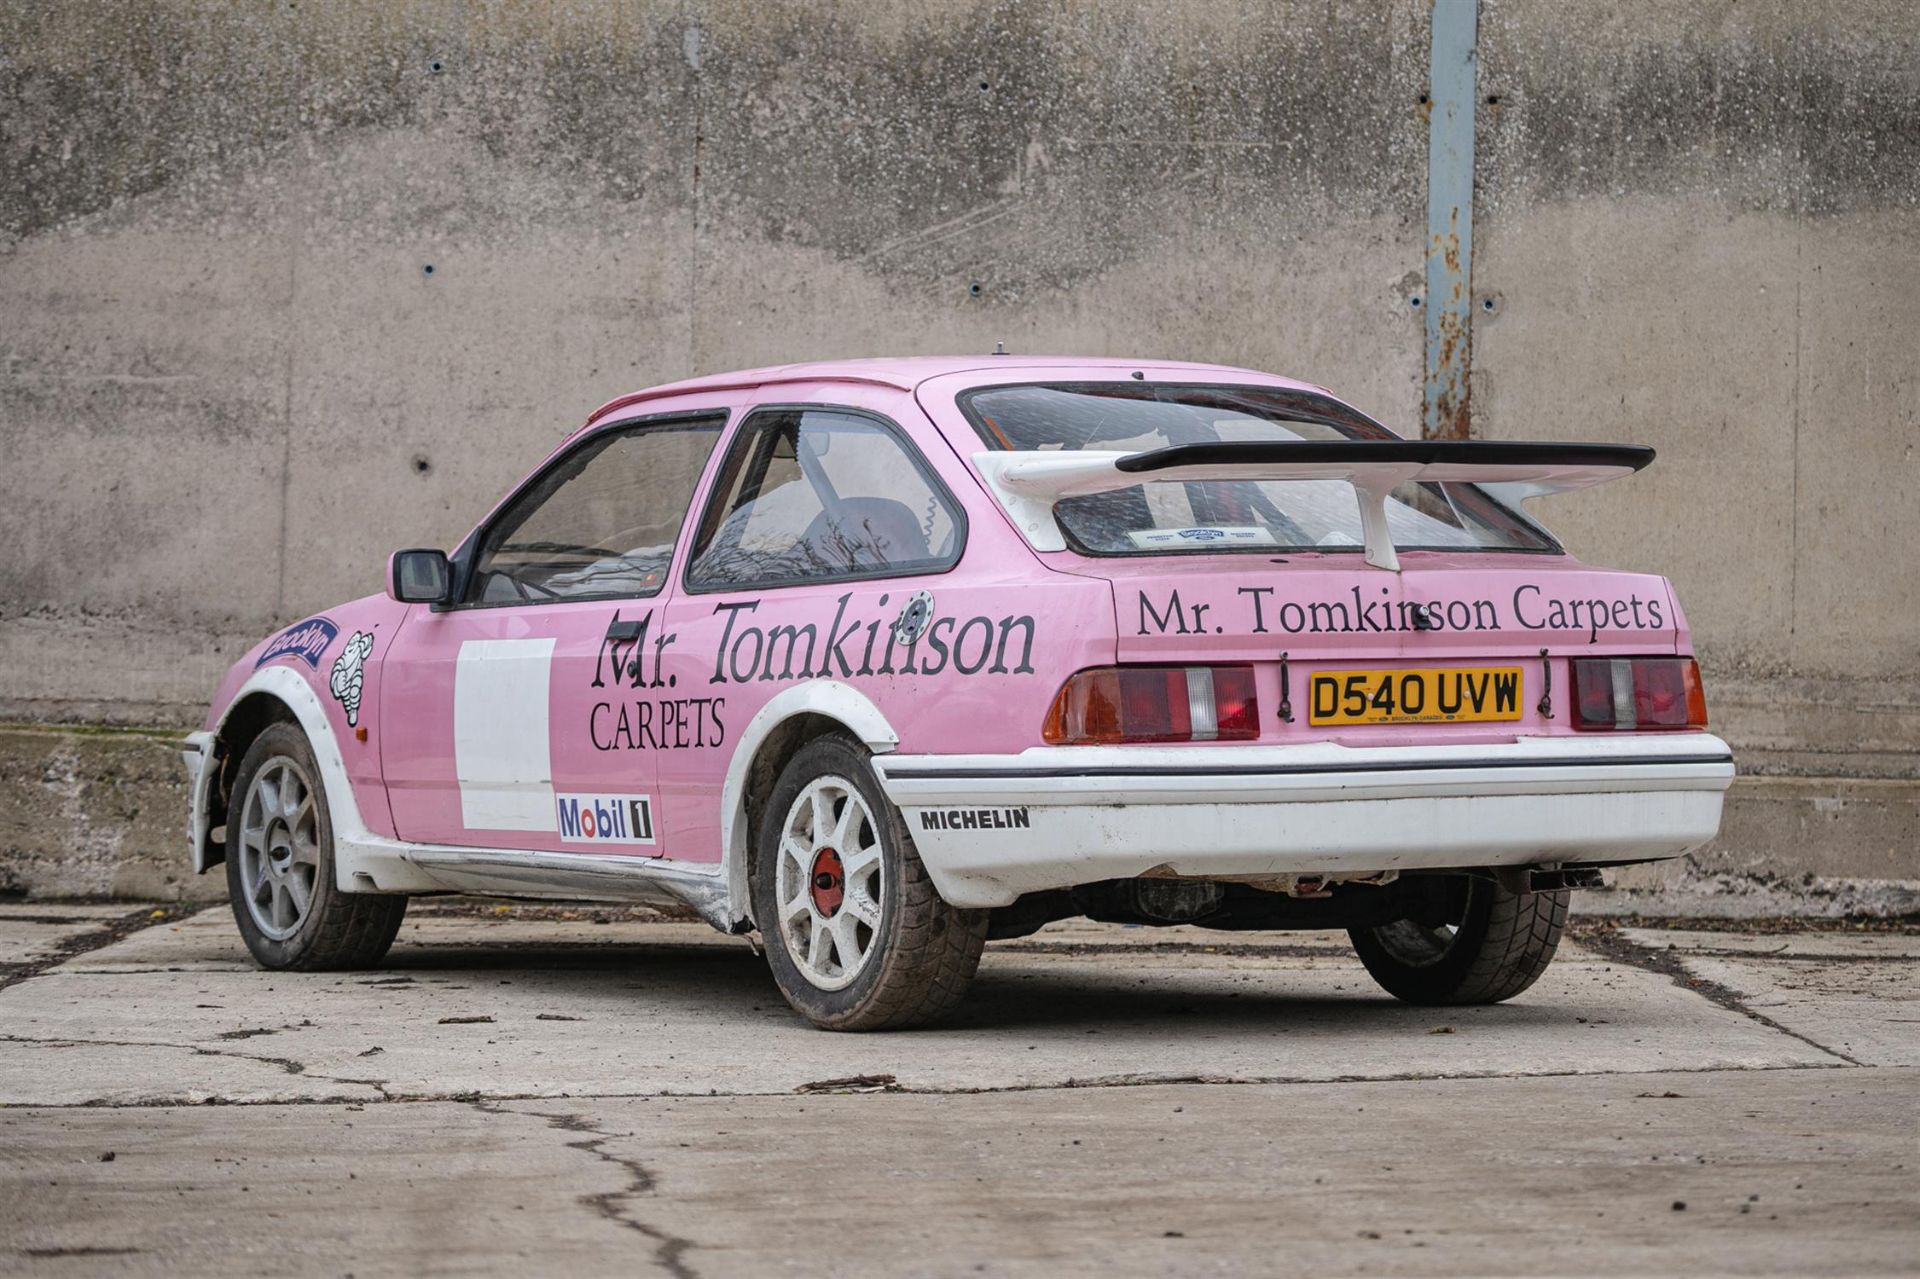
{"x": 1421, "y": 696}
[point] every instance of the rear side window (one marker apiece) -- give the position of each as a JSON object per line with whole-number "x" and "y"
{"x": 599, "y": 524}
{"x": 822, "y": 495}
{"x": 1172, "y": 516}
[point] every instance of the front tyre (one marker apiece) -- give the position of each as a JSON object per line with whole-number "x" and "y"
{"x": 856, "y": 935}
{"x": 280, "y": 874}
{"x": 1492, "y": 945}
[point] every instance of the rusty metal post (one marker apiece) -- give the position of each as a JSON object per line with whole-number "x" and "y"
{"x": 1449, "y": 302}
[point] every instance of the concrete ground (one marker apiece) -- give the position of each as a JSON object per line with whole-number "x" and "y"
{"x": 588, "y": 1091}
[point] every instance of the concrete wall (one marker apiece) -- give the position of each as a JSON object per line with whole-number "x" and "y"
{"x": 229, "y": 383}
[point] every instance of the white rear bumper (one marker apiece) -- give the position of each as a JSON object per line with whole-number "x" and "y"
{"x": 991, "y": 827}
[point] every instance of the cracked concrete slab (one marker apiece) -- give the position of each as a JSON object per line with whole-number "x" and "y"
{"x": 38, "y": 937}
{"x": 1822, "y": 944}
{"x": 1870, "y": 1012}
{"x": 468, "y": 1005}
{"x": 1853, "y": 992}
{"x": 26, "y": 939}
{"x": 1692, "y": 1173}
{"x": 63, "y": 912}
{"x": 592, "y": 1091}
{"x": 208, "y": 941}
{"x": 420, "y": 1190}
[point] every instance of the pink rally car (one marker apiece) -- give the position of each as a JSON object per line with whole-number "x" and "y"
{"x": 886, "y": 659}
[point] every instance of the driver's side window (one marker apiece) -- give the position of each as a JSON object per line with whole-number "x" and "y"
{"x": 599, "y": 525}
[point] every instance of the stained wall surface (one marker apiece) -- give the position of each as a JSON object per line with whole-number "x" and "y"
{"x": 285, "y": 287}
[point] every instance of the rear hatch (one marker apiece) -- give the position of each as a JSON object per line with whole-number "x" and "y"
{"x": 1382, "y": 590}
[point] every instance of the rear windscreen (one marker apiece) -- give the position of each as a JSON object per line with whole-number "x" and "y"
{"x": 1169, "y": 516}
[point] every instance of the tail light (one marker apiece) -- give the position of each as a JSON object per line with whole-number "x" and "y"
{"x": 1114, "y": 704}
{"x": 1633, "y": 694}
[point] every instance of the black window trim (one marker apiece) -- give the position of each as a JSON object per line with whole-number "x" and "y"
{"x": 1323, "y": 409}
{"x": 466, "y": 553}
{"x": 741, "y": 438}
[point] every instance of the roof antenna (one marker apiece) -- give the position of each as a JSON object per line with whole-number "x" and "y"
{"x": 999, "y": 348}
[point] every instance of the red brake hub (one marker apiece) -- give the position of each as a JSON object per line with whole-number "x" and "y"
{"x": 828, "y": 882}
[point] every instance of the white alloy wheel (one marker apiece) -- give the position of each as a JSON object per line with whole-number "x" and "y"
{"x": 831, "y": 882}
{"x": 279, "y": 847}
{"x": 857, "y": 936}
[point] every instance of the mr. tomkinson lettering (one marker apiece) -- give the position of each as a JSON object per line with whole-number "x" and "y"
{"x": 1263, "y": 611}
{"x": 848, "y": 646}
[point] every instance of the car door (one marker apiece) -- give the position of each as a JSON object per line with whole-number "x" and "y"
{"x": 820, "y": 528}
{"x": 525, "y": 714}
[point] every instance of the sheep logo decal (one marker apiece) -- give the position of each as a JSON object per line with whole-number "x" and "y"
{"x": 347, "y": 674}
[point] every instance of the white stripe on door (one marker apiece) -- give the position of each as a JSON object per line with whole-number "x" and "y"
{"x": 500, "y": 748}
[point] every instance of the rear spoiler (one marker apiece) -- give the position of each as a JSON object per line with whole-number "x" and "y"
{"x": 1029, "y": 483}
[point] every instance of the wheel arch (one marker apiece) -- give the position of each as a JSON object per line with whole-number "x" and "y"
{"x": 794, "y": 717}
{"x": 246, "y": 719}
{"x": 273, "y": 694}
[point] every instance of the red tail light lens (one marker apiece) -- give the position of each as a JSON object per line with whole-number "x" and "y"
{"x": 1635, "y": 694}
{"x": 1115, "y": 704}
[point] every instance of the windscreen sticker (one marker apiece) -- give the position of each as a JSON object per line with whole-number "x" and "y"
{"x": 1212, "y": 535}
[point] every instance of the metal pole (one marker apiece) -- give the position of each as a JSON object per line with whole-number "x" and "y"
{"x": 1451, "y": 97}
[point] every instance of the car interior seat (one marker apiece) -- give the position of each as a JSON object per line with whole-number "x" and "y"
{"x": 868, "y": 532}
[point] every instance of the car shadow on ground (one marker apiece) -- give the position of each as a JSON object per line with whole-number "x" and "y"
{"x": 1013, "y": 992}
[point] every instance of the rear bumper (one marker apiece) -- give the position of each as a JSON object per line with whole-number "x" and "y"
{"x": 991, "y": 827}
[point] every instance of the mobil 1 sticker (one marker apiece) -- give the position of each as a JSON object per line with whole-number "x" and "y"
{"x": 604, "y": 819}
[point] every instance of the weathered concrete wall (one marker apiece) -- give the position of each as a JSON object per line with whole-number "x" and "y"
{"x": 284, "y": 287}
{"x": 95, "y": 814}
{"x": 1700, "y": 229}
{"x": 230, "y": 385}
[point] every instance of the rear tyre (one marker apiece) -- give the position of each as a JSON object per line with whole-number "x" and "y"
{"x": 856, "y": 935}
{"x": 280, "y": 874}
{"x": 1494, "y": 945}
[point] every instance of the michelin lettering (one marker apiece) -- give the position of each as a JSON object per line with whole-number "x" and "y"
{"x": 975, "y": 819}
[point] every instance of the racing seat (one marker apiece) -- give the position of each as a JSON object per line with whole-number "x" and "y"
{"x": 867, "y": 532}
